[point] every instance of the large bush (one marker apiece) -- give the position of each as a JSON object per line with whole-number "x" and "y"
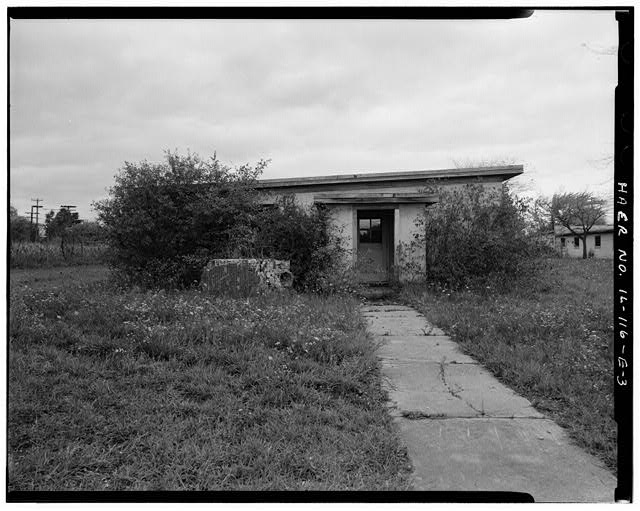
{"x": 474, "y": 236}
{"x": 303, "y": 235}
{"x": 165, "y": 221}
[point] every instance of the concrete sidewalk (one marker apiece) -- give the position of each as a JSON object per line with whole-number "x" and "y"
{"x": 464, "y": 430}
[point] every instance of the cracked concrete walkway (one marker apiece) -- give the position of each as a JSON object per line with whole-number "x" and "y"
{"x": 464, "y": 430}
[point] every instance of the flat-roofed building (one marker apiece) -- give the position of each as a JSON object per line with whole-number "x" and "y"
{"x": 375, "y": 214}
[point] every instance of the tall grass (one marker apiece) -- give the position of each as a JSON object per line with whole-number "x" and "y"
{"x": 47, "y": 255}
{"x": 181, "y": 390}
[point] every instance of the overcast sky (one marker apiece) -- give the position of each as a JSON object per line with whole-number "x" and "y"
{"x": 315, "y": 97}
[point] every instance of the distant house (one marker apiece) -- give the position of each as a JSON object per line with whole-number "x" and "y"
{"x": 375, "y": 213}
{"x": 599, "y": 242}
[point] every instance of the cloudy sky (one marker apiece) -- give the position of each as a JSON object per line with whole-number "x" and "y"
{"x": 315, "y": 97}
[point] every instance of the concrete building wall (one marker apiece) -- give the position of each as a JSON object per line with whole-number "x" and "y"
{"x": 342, "y": 219}
{"x": 408, "y": 263}
{"x": 605, "y": 251}
{"x": 410, "y": 253}
{"x": 306, "y": 198}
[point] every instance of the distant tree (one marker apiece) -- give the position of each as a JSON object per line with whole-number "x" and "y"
{"x": 87, "y": 232}
{"x": 20, "y": 227}
{"x": 578, "y": 212}
{"x": 56, "y": 224}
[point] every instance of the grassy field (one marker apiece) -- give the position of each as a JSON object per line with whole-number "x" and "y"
{"x": 112, "y": 390}
{"x": 552, "y": 343}
{"x": 36, "y": 279}
{"x": 48, "y": 255}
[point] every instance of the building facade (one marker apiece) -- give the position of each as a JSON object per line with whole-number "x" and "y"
{"x": 599, "y": 242}
{"x": 375, "y": 214}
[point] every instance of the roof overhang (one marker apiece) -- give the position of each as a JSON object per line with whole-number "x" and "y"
{"x": 596, "y": 229}
{"x": 374, "y": 198}
{"x": 501, "y": 173}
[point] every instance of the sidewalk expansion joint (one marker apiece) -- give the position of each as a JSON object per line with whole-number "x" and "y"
{"x": 452, "y": 362}
{"x": 413, "y": 416}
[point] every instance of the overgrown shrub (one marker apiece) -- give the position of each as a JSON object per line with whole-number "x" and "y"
{"x": 474, "y": 236}
{"x": 302, "y": 235}
{"x": 165, "y": 221}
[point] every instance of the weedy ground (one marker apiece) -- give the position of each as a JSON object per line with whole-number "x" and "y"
{"x": 551, "y": 342}
{"x": 132, "y": 390}
{"x": 48, "y": 255}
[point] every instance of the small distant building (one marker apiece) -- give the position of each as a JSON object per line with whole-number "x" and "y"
{"x": 599, "y": 241}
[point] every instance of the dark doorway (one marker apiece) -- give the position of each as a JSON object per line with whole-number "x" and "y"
{"x": 375, "y": 245}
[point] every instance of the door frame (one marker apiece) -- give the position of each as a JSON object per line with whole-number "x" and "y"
{"x": 387, "y": 215}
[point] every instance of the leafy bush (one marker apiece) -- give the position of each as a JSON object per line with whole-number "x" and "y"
{"x": 302, "y": 235}
{"x": 165, "y": 221}
{"x": 476, "y": 237}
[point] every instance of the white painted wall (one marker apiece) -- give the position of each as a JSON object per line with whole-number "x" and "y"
{"x": 605, "y": 251}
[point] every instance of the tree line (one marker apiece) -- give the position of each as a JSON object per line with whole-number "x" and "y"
{"x": 63, "y": 225}
{"x": 164, "y": 221}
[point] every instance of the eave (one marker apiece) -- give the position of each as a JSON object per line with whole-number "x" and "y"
{"x": 374, "y": 198}
{"x": 501, "y": 173}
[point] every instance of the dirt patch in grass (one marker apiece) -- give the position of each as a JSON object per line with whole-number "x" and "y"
{"x": 552, "y": 343}
{"x": 169, "y": 391}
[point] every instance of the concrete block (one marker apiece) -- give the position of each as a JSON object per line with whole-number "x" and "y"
{"x": 244, "y": 277}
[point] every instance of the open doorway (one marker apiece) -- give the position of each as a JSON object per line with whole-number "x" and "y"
{"x": 375, "y": 245}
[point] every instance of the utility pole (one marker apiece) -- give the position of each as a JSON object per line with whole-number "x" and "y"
{"x": 68, "y": 207}
{"x": 30, "y": 213}
{"x": 37, "y": 207}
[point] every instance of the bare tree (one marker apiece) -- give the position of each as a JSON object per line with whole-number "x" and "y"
{"x": 539, "y": 217}
{"x": 495, "y": 161}
{"x": 521, "y": 185}
{"x": 578, "y": 212}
